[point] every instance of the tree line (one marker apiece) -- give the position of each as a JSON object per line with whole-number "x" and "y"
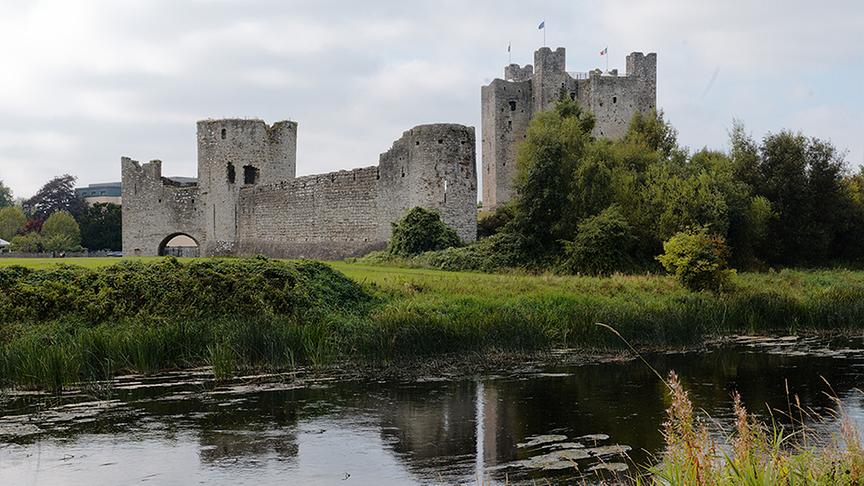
{"x": 592, "y": 205}
{"x": 56, "y": 219}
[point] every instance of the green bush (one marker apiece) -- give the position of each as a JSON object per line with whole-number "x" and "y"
{"x": 697, "y": 258}
{"x": 603, "y": 245}
{"x": 492, "y": 222}
{"x": 492, "y": 254}
{"x": 421, "y": 230}
{"x": 29, "y": 243}
{"x": 169, "y": 289}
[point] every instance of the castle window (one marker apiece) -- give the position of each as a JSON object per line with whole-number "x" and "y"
{"x": 614, "y": 99}
{"x": 512, "y": 106}
{"x": 250, "y": 174}
{"x": 224, "y": 133}
{"x": 403, "y": 171}
{"x": 572, "y": 95}
{"x": 417, "y": 142}
{"x": 232, "y": 175}
{"x": 509, "y": 123}
{"x": 440, "y": 140}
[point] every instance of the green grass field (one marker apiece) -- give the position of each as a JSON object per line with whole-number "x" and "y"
{"x": 411, "y": 314}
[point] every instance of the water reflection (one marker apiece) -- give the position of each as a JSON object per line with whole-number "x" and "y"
{"x": 179, "y": 429}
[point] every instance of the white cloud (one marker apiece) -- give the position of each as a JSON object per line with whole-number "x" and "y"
{"x": 90, "y": 80}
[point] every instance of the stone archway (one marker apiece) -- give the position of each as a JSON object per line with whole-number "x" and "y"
{"x": 179, "y": 245}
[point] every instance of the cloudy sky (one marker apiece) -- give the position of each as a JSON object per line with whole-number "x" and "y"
{"x": 84, "y": 82}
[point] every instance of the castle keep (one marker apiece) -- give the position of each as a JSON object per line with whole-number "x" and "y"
{"x": 508, "y": 105}
{"x": 247, "y": 200}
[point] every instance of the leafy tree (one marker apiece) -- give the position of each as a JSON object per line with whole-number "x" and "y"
{"x": 802, "y": 178}
{"x": 421, "y": 230}
{"x": 698, "y": 259}
{"x": 101, "y": 227}
{"x": 58, "y": 194}
{"x": 5, "y": 195}
{"x": 744, "y": 152}
{"x": 12, "y": 220}
{"x": 27, "y": 243}
{"x": 603, "y": 245}
{"x": 554, "y": 144}
{"x": 652, "y": 131}
{"x": 61, "y": 232}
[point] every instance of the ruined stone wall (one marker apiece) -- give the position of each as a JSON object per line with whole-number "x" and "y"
{"x": 155, "y": 209}
{"x": 322, "y": 216}
{"x": 349, "y": 212}
{"x": 613, "y": 100}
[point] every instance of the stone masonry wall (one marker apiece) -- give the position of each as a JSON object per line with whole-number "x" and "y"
{"x": 155, "y": 209}
{"x": 507, "y": 108}
{"x": 349, "y": 213}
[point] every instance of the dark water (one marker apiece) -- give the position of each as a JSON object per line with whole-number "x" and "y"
{"x": 180, "y": 429}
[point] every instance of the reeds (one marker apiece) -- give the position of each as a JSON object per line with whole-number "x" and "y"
{"x": 758, "y": 453}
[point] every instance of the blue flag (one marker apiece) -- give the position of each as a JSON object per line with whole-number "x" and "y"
{"x": 542, "y": 25}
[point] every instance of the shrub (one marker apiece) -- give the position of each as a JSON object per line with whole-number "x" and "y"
{"x": 603, "y": 245}
{"x": 28, "y": 243}
{"x": 502, "y": 251}
{"x": 167, "y": 288}
{"x": 492, "y": 222}
{"x": 697, "y": 258}
{"x": 421, "y": 230}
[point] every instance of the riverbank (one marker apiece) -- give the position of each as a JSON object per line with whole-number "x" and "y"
{"x": 70, "y": 323}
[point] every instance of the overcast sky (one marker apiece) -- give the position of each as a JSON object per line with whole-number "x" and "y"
{"x": 84, "y": 82}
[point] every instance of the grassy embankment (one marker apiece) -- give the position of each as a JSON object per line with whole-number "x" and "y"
{"x": 62, "y": 324}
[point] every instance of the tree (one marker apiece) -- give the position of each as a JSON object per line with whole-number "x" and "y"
{"x": 5, "y": 196}
{"x": 101, "y": 227}
{"x": 803, "y": 180}
{"x": 58, "y": 194}
{"x": 652, "y": 131}
{"x": 603, "y": 245}
{"x": 12, "y": 220}
{"x": 698, "y": 259}
{"x": 555, "y": 143}
{"x": 421, "y": 230}
{"x": 61, "y": 233}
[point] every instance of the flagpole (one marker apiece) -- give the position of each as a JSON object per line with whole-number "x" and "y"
{"x": 607, "y": 60}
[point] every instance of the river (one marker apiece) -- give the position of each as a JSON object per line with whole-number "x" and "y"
{"x": 541, "y": 422}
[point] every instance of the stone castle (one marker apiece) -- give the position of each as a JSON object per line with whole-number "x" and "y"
{"x": 508, "y": 105}
{"x": 247, "y": 199}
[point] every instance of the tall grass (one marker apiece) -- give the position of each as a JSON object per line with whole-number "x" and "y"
{"x": 758, "y": 453}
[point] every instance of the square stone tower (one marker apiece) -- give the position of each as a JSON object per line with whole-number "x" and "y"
{"x": 509, "y": 104}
